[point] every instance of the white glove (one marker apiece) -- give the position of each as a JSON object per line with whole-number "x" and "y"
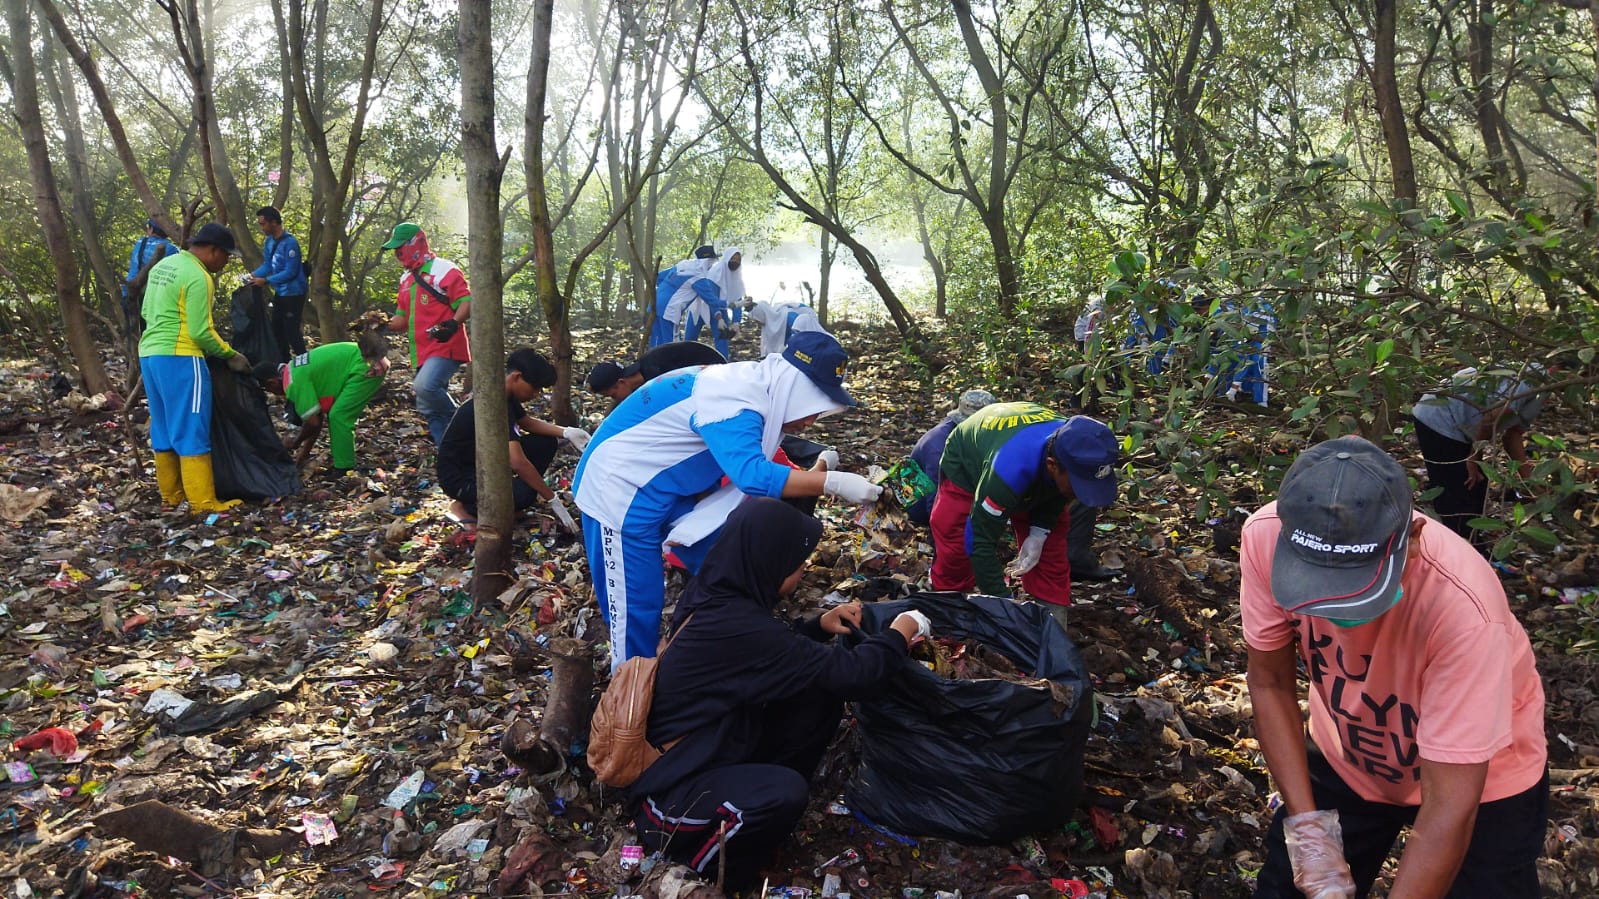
{"x": 576, "y": 436}
{"x": 561, "y": 515}
{"x": 851, "y": 488}
{"x": 1031, "y": 551}
{"x": 924, "y": 628}
{"x": 1316, "y": 852}
{"x": 829, "y": 460}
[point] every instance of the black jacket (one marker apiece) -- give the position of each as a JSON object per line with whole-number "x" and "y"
{"x": 734, "y": 659}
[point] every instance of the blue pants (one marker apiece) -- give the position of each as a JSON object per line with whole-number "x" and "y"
{"x": 629, "y": 583}
{"x": 432, "y": 386}
{"x": 692, "y": 325}
{"x": 179, "y": 392}
{"x": 663, "y": 332}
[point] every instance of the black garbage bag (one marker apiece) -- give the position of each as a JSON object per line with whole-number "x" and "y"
{"x": 978, "y": 761}
{"x": 252, "y": 327}
{"x": 803, "y": 453}
{"x": 248, "y": 460}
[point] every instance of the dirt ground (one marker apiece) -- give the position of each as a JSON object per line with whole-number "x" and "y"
{"x": 331, "y": 655}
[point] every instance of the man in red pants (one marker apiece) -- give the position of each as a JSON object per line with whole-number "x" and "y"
{"x": 1018, "y": 464}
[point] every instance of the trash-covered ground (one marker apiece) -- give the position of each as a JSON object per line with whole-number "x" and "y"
{"x": 303, "y": 690}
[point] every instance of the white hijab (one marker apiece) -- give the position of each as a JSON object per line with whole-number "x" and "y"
{"x": 729, "y": 283}
{"x": 773, "y": 388}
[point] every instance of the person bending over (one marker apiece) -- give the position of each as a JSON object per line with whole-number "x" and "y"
{"x": 1426, "y": 709}
{"x": 334, "y": 381}
{"x": 663, "y": 453}
{"x": 618, "y": 382}
{"x": 532, "y": 447}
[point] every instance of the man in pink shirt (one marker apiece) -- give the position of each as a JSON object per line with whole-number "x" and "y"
{"x": 1425, "y": 707}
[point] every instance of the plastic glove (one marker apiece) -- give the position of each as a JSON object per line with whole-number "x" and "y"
{"x": 561, "y": 515}
{"x": 924, "y": 628}
{"x": 828, "y": 460}
{"x": 1032, "y": 549}
{"x": 1316, "y": 852}
{"x": 576, "y": 436}
{"x": 239, "y": 363}
{"x": 444, "y": 330}
{"x": 851, "y": 487}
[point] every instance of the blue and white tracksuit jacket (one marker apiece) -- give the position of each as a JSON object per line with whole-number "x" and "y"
{"x": 666, "y": 284}
{"x": 646, "y": 466}
{"x": 709, "y": 291}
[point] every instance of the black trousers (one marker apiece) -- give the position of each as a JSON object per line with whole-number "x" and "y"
{"x": 539, "y": 449}
{"x": 756, "y": 804}
{"x": 287, "y": 314}
{"x": 1501, "y": 863}
{"x": 1457, "y": 504}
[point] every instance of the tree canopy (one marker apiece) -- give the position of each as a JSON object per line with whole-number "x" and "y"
{"x": 1408, "y": 187}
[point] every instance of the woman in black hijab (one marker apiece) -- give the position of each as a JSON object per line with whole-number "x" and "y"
{"x": 747, "y": 702}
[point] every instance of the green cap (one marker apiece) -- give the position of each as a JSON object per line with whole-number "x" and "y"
{"x": 401, "y": 234}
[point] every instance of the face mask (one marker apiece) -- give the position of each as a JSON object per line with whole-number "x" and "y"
{"x": 733, "y": 266}
{"x": 1357, "y": 622}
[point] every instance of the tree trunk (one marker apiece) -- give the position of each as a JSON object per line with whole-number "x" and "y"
{"x": 496, "y": 506}
{"x": 992, "y": 209}
{"x": 1593, "y": 13}
{"x": 825, "y": 277}
{"x": 557, "y": 314}
{"x": 280, "y": 192}
{"x": 189, "y": 37}
{"x": 934, "y": 261}
{"x": 153, "y": 207}
{"x": 1391, "y": 112}
{"x": 1479, "y": 62}
{"x": 64, "y": 95}
{"x": 331, "y": 186}
{"x": 47, "y": 200}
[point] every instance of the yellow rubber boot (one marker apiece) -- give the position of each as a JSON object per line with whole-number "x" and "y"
{"x": 202, "y": 490}
{"x": 169, "y": 478}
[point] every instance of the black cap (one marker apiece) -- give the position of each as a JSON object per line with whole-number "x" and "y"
{"x": 267, "y": 371}
{"x": 155, "y": 228}
{"x": 1345, "y": 512}
{"x": 535, "y": 369}
{"x": 604, "y": 376}
{"x": 706, "y": 252}
{"x": 217, "y": 236}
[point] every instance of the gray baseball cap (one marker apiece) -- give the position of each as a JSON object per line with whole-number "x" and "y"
{"x": 973, "y": 400}
{"x": 1345, "y": 511}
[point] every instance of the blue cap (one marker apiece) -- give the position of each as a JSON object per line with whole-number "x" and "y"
{"x": 706, "y": 252}
{"x": 1088, "y": 451}
{"x": 822, "y": 360}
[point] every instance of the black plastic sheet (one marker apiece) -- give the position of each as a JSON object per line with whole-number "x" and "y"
{"x": 978, "y": 761}
{"x": 252, "y": 327}
{"x": 248, "y": 460}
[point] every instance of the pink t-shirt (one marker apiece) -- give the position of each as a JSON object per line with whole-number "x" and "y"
{"x": 1446, "y": 675}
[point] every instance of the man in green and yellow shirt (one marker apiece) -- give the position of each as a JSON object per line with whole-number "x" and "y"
{"x": 178, "y": 335}
{"x": 333, "y": 382}
{"x": 1017, "y": 466}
